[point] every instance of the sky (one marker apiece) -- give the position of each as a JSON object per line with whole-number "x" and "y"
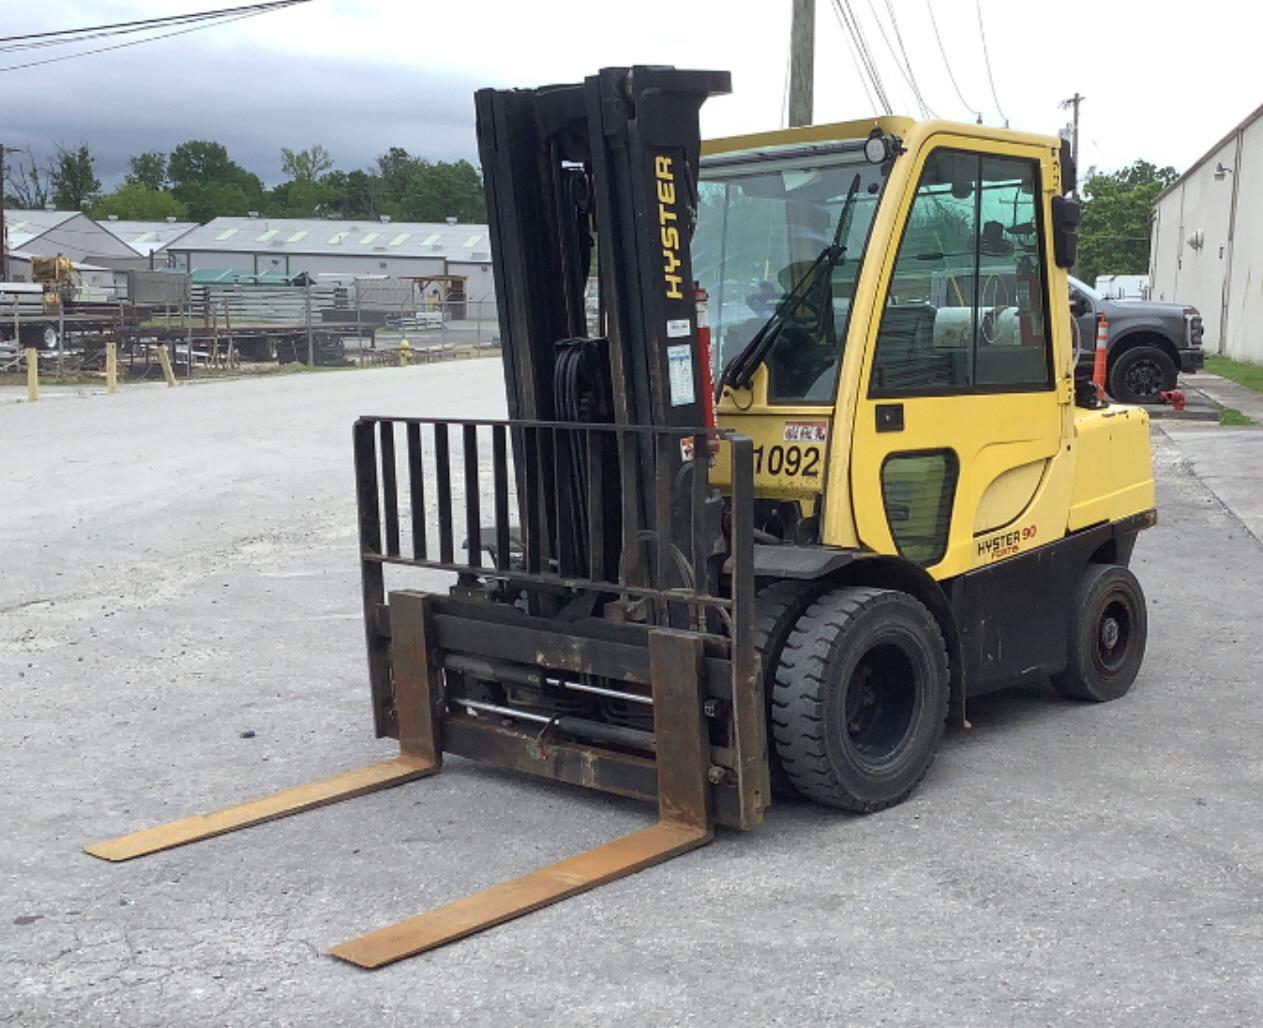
{"x": 1162, "y": 80}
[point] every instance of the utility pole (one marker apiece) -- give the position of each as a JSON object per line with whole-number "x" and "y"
{"x": 1074, "y": 102}
{"x": 802, "y": 52}
{"x": 4, "y": 236}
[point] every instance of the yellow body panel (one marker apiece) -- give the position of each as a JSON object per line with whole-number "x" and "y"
{"x": 1005, "y": 498}
{"x": 1031, "y": 466}
{"x": 1114, "y": 469}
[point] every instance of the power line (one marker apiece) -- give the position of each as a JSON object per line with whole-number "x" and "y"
{"x": 87, "y": 36}
{"x": 785, "y": 90}
{"x": 149, "y": 39}
{"x": 855, "y": 61}
{"x": 948, "y": 64}
{"x": 852, "y": 24}
{"x": 890, "y": 48}
{"x": 982, "y": 33}
{"x": 912, "y": 78}
{"x": 155, "y": 22}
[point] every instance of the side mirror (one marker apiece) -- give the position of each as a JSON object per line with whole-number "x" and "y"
{"x": 1079, "y": 305}
{"x": 1065, "y": 225}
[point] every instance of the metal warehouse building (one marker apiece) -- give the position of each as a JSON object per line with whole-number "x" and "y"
{"x": 1208, "y": 241}
{"x": 146, "y": 239}
{"x": 290, "y": 246}
{"x": 51, "y": 233}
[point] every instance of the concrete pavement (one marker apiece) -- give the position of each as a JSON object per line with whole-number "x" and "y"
{"x": 179, "y": 567}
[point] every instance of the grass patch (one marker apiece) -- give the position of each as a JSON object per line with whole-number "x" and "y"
{"x": 1234, "y": 418}
{"x": 1248, "y": 375}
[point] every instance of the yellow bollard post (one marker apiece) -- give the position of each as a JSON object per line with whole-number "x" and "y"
{"x": 405, "y": 352}
{"x": 164, "y": 358}
{"x": 32, "y": 374}
{"x": 111, "y": 367}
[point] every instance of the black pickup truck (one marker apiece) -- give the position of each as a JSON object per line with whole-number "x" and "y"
{"x": 1149, "y": 343}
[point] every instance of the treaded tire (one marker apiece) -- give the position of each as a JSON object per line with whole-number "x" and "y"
{"x": 776, "y": 611}
{"x": 1141, "y": 374}
{"x": 860, "y": 701}
{"x": 1104, "y": 659}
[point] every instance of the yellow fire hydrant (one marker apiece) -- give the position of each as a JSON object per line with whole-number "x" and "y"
{"x": 405, "y": 353}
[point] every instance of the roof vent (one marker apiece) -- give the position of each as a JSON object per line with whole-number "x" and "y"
{"x": 112, "y": 217}
{"x": 385, "y": 219}
{"x": 253, "y": 214}
{"x": 170, "y": 219}
{"x": 49, "y": 207}
{"x": 450, "y": 220}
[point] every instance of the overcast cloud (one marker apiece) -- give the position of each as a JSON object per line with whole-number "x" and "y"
{"x": 1162, "y": 80}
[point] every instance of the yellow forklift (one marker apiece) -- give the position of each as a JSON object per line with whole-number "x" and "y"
{"x": 795, "y": 465}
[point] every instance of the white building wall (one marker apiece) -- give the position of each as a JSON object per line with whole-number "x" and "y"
{"x": 1243, "y": 313}
{"x": 1200, "y": 209}
{"x": 1223, "y": 276}
{"x": 313, "y": 264}
{"x": 480, "y": 283}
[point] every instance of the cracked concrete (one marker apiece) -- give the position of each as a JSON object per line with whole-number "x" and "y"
{"x": 179, "y": 567}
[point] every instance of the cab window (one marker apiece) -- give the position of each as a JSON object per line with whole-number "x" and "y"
{"x": 965, "y": 309}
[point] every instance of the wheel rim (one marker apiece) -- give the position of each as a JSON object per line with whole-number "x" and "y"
{"x": 880, "y": 706}
{"x": 1114, "y": 631}
{"x": 1144, "y": 378}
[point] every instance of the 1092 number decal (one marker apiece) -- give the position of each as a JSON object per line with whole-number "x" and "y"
{"x": 795, "y": 461}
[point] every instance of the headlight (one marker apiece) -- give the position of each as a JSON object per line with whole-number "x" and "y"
{"x": 1192, "y": 327}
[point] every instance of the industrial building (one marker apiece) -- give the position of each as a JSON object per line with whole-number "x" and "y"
{"x": 321, "y": 247}
{"x": 57, "y": 233}
{"x": 146, "y": 239}
{"x": 1207, "y": 241}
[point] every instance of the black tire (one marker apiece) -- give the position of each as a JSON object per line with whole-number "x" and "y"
{"x": 861, "y": 697}
{"x": 776, "y": 611}
{"x": 1141, "y": 374}
{"x": 1108, "y": 629}
{"x": 40, "y": 336}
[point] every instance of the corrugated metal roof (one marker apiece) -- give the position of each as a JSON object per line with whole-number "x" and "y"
{"x": 147, "y": 236}
{"x": 24, "y": 226}
{"x": 366, "y": 237}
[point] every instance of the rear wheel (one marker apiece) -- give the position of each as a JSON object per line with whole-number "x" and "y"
{"x": 1141, "y": 375}
{"x": 1108, "y": 629}
{"x": 860, "y": 700}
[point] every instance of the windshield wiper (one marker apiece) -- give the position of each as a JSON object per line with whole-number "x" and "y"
{"x": 739, "y": 372}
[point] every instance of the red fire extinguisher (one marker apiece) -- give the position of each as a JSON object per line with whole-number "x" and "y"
{"x": 1030, "y": 320}
{"x": 702, "y": 300}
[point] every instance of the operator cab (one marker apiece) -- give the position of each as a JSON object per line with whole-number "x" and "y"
{"x": 784, "y": 231}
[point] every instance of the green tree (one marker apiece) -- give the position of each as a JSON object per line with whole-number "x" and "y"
{"x": 415, "y": 189}
{"x": 137, "y": 201}
{"x": 354, "y": 194}
{"x": 149, "y": 169}
{"x": 300, "y": 198}
{"x": 306, "y": 165}
{"x": 210, "y": 183}
{"x": 73, "y": 178}
{"x": 1114, "y": 233}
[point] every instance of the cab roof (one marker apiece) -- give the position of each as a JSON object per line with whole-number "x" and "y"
{"x": 903, "y": 127}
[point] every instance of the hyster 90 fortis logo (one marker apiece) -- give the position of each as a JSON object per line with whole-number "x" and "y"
{"x": 668, "y": 228}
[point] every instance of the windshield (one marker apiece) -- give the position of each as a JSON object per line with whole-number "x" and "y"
{"x": 762, "y": 225}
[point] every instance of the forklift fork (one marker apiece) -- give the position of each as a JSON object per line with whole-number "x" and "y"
{"x": 685, "y": 816}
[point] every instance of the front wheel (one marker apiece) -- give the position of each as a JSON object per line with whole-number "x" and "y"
{"x": 1108, "y": 629}
{"x": 1141, "y": 375}
{"x": 860, "y": 699}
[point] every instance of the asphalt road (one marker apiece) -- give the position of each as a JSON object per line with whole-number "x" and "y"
{"x": 179, "y": 567}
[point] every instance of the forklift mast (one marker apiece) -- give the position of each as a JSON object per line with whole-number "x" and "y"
{"x": 615, "y": 158}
